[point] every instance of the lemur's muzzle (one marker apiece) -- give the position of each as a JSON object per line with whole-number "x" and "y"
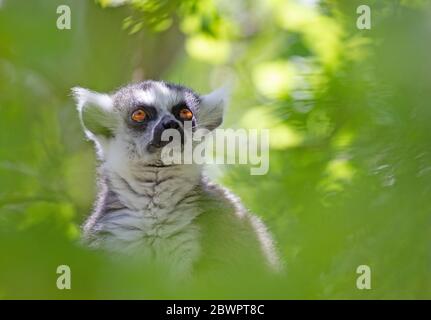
{"x": 167, "y": 122}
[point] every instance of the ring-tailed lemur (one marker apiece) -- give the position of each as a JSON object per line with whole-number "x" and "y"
{"x": 170, "y": 213}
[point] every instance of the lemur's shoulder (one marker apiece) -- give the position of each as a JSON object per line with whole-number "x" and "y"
{"x": 230, "y": 233}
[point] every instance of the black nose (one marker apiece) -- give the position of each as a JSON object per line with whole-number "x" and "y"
{"x": 166, "y": 123}
{"x": 171, "y": 124}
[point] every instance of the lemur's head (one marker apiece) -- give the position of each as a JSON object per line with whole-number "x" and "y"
{"x": 130, "y": 122}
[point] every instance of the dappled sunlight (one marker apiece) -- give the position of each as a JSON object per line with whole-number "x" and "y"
{"x": 282, "y": 136}
{"x": 275, "y": 79}
{"x": 322, "y": 34}
{"x": 340, "y": 169}
{"x": 208, "y": 49}
{"x": 348, "y": 116}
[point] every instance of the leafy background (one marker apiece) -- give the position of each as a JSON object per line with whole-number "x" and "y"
{"x": 350, "y": 158}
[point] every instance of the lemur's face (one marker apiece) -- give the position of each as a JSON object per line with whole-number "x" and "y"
{"x": 131, "y": 121}
{"x": 148, "y": 109}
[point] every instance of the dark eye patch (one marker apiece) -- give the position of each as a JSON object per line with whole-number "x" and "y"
{"x": 177, "y": 108}
{"x": 151, "y": 114}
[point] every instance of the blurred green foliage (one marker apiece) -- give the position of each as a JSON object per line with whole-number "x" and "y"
{"x": 349, "y": 113}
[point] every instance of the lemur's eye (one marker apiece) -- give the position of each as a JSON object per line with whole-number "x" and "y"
{"x": 139, "y": 115}
{"x": 186, "y": 114}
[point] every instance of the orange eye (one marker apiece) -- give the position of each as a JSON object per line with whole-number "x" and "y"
{"x": 186, "y": 114}
{"x": 139, "y": 115}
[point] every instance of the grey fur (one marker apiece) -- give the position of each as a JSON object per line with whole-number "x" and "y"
{"x": 170, "y": 214}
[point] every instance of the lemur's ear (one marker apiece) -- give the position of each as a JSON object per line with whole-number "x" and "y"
{"x": 211, "y": 108}
{"x": 96, "y": 112}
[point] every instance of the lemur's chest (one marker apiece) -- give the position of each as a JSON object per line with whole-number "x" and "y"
{"x": 174, "y": 241}
{"x": 152, "y": 216}
{"x": 148, "y": 235}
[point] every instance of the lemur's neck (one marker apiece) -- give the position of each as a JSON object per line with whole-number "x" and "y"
{"x": 152, "y": 190}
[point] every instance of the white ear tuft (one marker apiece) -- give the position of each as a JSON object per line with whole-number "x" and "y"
{"x": 211, "y": 108}
{"x": 84, "y": 96}
{"x": 96, "y": 112}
